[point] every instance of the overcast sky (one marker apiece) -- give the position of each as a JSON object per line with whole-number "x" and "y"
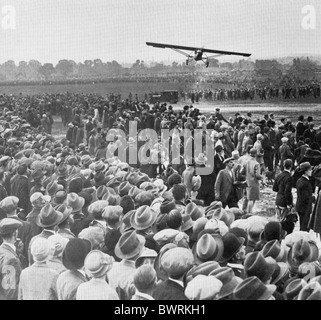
{"x": 50, "y": 30}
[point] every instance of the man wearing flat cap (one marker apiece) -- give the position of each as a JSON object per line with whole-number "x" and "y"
{"x": 10, "y": 267}
{"x": 305, "y": 196}
{"x": 9, "y": 206}
{"x": 175, "y": 268}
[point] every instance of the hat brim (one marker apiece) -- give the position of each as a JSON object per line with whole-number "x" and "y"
{"x": 123, "y": 227}
{"x": 80, "y": 205}
{"x": 132, "y": 254}
{"x": 270, "y": 289}
{"x": 215, "y": 257}
{"x": 284, "y": 270}
{"x": 66, "y": 214}
{"x": 228, "y": 288}
{"x": 57, "y": 221}
{"x": 147, "y": 224}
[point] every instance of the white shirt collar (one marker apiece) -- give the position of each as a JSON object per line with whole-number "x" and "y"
{"x": 181, "y": 283}
{"x": 82, "y": 272}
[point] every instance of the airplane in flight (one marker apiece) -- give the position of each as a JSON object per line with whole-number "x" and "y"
{"x": 197, "y": 54}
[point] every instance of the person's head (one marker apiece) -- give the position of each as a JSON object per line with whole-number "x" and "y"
{"x": 145, "y": 278}
{"x": 174, "y": 219}
{"x": 229, "y": 163}
{"x": 179, "y": 191}
{"x": 306, "y": 168}
{"x": 288, "y": 163}
{"x": 9, "y": 229}
{"x": 97, "y": 264}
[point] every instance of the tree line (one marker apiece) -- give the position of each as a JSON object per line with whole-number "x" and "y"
{"x": 300, "y": 68}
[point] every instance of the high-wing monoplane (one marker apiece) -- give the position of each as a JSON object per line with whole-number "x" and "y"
{"x": 197, "y": 54}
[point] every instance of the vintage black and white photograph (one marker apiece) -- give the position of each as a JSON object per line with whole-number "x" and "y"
{"x": 160, "y": 150}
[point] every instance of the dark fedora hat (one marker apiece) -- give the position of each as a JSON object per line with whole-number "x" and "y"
{"x": 256, "y": 265}
{"x": 124, "y": 188}
{"x": 231, "y": 245}
{"x": 100, "y": 179}
{"x": 65, "y": 210}
{"x": 59, "y": 197}
{"x": 48, "y": 217}
{"x": 204, "y": 268}
{"x": 129, "y": 245}
{"x": 125, "y": 222}
{"x": 274, "y": 249}
{"x": 252, "y": 288}
{"x": 230, "y": 281}
{"x": 75, "y": 252}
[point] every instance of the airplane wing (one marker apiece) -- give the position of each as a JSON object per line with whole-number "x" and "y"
{"x": 163, "y": 46}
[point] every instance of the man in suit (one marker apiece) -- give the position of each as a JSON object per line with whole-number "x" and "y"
{"x": 20, "y": 187}
{"x": 9, "y": 206}
{"x": 224, "y": 190}
{"x": 10, "y": 267}
{"x": 283, "y": 186}
{"x": 173, "y": 288}
{"x": 305, "y": 196}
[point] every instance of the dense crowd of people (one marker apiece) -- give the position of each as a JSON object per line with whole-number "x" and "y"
{"x": 251, "y": 92}
{"x": 81, "y": 220}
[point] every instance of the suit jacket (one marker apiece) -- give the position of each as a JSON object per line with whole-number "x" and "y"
{"x": 80, "y": 222}
{"x": 68, "y": 283}
{"x": 224, "y": 185}
{"x": 38, "y": 282}
{"x": 31, "y": 218}
{"x": 10, "y": 270}
{"x": 283, "y": 186}
{"x": 169, "y": 290}
{"x": 20, "y": 187}
{"x": 25, "y": 234}
{"x": 304, "y": 196}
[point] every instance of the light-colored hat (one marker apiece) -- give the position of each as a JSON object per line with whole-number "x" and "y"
{"x": 57, "y": 244}
{"x": 97, "y": 263}
{"x": 175, "y": 267}
{"x": 203, "y": 288}
{"x": 39, "y": 200}
{"x": 8, "y": 204}
{"x": 40, "y": 249}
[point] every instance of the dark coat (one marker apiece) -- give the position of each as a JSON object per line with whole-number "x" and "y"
{"x": 315, "y": 221}
{"x": 20, "y": 187}
{"x": 304, "y": 196}
{"x": 25, "y": 234}
{"x": 206, "y": 191}
{"x": 10, "y": 269}
{"x": 169, "y": 290}
{"x": 31, "y": 218}
{"x": 283, "y": 186}
{"x": 80, "y": 222}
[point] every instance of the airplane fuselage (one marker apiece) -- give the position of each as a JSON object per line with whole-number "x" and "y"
{"x": 198, "y": 55}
